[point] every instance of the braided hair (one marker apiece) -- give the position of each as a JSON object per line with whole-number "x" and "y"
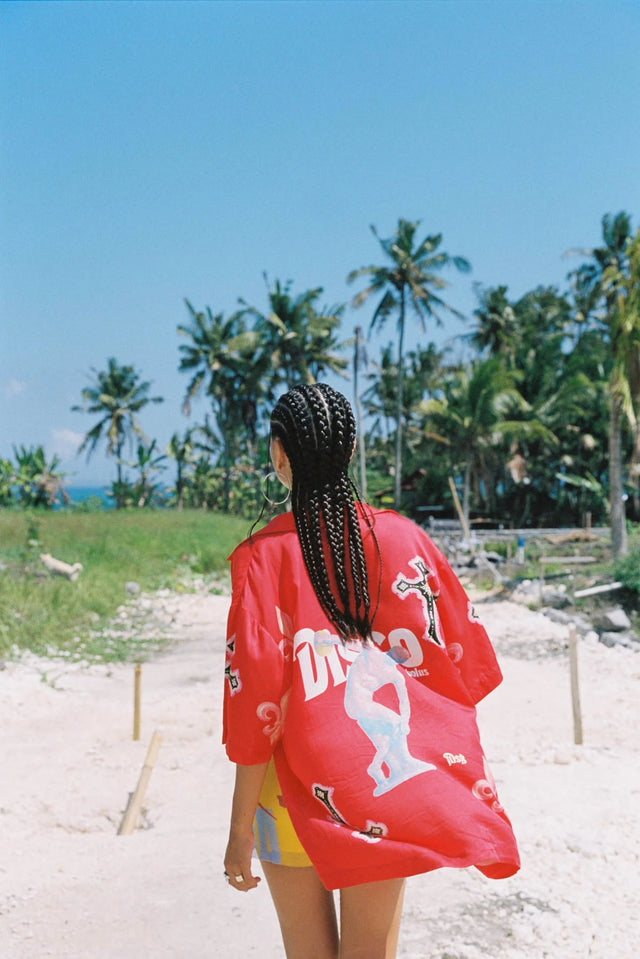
{"x": 317, "y": 429}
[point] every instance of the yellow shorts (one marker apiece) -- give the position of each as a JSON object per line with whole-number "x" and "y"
{"x": 276, "y": 839}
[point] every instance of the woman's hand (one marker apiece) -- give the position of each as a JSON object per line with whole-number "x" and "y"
{"x": 237, "y": 859}
{"x": 237, "y": 862}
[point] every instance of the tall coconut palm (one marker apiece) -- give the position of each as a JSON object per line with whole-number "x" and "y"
{"x": 299, "y": 337}
{"x": 496, "y": 326}
{"x": 410, "y": 279}
{"x": 625, "y": 348}
{"x": 604, "y": 284}
{"x": 227, "y": 362}
{"x": 117, "y": 394}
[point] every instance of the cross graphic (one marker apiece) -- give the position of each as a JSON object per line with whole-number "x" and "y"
{"x": 403, "y": 586}
{"x": 325, "y": 795}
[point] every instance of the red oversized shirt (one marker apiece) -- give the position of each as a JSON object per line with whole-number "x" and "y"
{"x": 376, "y": 747}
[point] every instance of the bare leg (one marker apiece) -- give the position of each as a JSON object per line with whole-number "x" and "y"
{"x": 305, "y": 910}
{"x": 370, "y": 919}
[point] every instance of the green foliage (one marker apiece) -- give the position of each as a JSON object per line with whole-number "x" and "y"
{"x": 410, "y": 278}
{"x": 51, "y": 615}
{"x": 38, "y": 483}
{"x": 7, "y": 480}
{"x": 143, "y": 491}
{"x": 523, "y": 424}
{"x": 298, "y": 337}
{"x": 92, "y": 504}
{"x": 227, "y": 363}
{"x": 238, "y": 363}
{"x": 117, "y": 395}
{"x": 607, "y": 290}
{"x": 627, "y": 571}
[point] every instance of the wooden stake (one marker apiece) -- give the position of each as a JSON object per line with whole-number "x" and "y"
{"x": 575, "y": 686}
{"x": 132, "y": 811}
{"x": 136, "y": 702}
{"x": 460, "y": 512}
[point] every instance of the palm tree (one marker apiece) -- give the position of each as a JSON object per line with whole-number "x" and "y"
{"x": 537, "y": 336}
{"x": 360, "y": 362}
{"x": 625, "y": 348}
{"x": 614, "y": 254}
{"x": 605, "y": 288}
{"x": 148, "y": 461}
{"x": 228, "y": 362}
{"x": 117, "y": 395}
{"x": 39, "y": 483}
{"x": 496, "y": 328}
{"x": 299, "y": 338}
{"x": 411, "y": 278}
{"x": 180, "y": 449}
{"x": 422, "y": 374}
{"x": 479, "y": 406}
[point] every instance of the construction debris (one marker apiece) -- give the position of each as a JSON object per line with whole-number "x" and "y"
{"x": 571, "y": 536}
{"x": 57, "y": 568}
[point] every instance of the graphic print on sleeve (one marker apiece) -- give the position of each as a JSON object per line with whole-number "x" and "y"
{"x": 232, "y": 675}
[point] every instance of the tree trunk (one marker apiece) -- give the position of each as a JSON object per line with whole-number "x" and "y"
{"x": 616, "y": 490}
{"x": 466, "y": 491}
{"x": 179, "y": 487}
{"x": 253, "y": 450}
{"x": 227, "y": 471}
{"x": 634, "y": 469}
{"x": 356, "y": 393}
{"x": 119, "y": 500}
{"x": 397, "y": 481}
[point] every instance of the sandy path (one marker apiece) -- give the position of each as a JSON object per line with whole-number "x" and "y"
{"x": 69, "y": 887}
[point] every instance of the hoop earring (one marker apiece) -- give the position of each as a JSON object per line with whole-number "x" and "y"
{"x": 264, "y": 484}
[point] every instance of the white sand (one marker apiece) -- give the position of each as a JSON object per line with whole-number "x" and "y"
{"x": 69, "y": 887}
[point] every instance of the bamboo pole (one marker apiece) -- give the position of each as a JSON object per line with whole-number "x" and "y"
{"x": 575, "y": 686}
{"x": 565, "y": 560}
{"x": 594, "y": 590}
{"x": 136, "y": 701}
{"x": 132, "y": 811}
{"x": 460, "y": 512}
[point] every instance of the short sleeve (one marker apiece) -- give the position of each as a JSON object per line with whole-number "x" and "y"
{"x": 255, "y": 692}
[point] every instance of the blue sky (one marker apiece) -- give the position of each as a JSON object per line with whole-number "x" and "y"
{"x": 155, "y": 151}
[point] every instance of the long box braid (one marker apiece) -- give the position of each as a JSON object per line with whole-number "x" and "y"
{"x": 317, "y": 429}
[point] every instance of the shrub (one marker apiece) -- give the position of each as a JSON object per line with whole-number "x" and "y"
{"x": 627, "y": 571}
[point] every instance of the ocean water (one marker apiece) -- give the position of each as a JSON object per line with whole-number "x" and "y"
{"x": 80, "y": 494}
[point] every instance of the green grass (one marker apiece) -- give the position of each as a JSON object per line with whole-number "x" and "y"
{"x": 49, "y": 615}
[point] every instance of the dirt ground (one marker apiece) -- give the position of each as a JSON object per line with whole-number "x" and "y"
{"x": 70, "y": 887}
